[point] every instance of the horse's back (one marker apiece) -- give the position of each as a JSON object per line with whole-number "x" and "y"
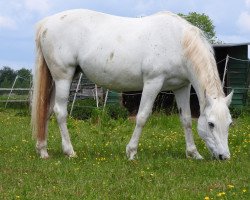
{"x": 113, "y": 51}
{"x": 82, "y": 25}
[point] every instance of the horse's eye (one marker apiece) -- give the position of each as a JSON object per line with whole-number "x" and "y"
{"x": 211, "y": 125}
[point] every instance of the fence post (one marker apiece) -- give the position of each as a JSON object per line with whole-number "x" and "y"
{"x": 77, "y": 88}
{"x": 96, "y": 96}
{"x": 106, "y": 98}
{"x": 225, "y": 71}
{"x": 11, "y": 90}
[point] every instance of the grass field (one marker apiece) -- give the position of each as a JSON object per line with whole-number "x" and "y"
{"x": 102, "y": 171}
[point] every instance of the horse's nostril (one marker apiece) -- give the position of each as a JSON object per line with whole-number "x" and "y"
{"x": 220, "y": 157}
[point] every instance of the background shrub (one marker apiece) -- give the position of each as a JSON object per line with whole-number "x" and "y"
{"x": 116, "y": 111}
{"x": 83, "y": 108}
{"x": 237, "y": 112}
{"x": 86, "y": 109}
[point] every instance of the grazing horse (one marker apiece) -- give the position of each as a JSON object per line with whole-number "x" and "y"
{"x": 153, "y": 53}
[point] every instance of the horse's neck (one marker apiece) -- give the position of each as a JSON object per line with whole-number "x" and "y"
{"x": 206, "y": 82}
{"x": 202, "y": 68}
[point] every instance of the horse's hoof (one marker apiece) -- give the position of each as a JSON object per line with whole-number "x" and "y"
{"x": 69, "y": 151}
{"x": 198, "y": 157}
{"x": 73, "y": 155}
{"x": 194, "y": 154}
{"x": 131, "y": 152}
{"x": 44, "y": 155}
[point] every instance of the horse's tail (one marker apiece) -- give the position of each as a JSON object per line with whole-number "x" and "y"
{"x": 42, "y": 86}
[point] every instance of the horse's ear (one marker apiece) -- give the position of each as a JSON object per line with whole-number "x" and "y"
{"x": 228, "y": 98}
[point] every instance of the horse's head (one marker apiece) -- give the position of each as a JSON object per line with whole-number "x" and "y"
{"x": 213, "y": 125}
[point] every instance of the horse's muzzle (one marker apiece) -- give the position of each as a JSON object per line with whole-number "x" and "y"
{"x": 224, "y": 157}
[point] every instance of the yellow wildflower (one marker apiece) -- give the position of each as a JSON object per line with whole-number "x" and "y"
{"x": 206, "y": 198}
{"x": 221, "y": 194}
{"x": 230, "y": 186}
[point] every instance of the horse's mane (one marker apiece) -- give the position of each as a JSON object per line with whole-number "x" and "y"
{"x": 199, "y": 52}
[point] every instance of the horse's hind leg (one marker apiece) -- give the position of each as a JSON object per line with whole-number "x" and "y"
{"x": 62, "y": 88}
{"x": 150, "y": 90}
{"x": 183, "y": 102}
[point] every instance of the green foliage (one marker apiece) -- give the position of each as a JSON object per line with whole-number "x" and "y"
{"x": 5, "y": 83}
{"x": 8, "y": 75}
{"x": 237, "y": 112}
{"x": 18, "y": 105}
{"x": 24, "y": 105}
{"x": 102, "y": 171}
{"x": 25, "y": 78}
{"x": 116, "y": 111}
{"x": 86, "y": 109}
{"x": 203, "y": 22}
{"x": 83, "y": 109}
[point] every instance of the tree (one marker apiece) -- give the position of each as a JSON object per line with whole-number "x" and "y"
{"x": 203, "y": 22}
{"x": 24, "y": 78}
{"x": 7, "y": 76}
{"x": 5, "y": 83}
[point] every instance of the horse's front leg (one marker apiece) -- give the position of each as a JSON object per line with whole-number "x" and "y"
{"x": 150, "y": 90}
{"x": 183, "y": 102}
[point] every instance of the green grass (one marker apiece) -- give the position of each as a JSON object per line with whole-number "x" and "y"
{"x": 102, "y": 171}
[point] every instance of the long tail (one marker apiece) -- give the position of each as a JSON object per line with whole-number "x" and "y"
{"x": 42, "y": 83}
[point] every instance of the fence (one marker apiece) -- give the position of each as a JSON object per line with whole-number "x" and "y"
{"x": 15, "y": 95}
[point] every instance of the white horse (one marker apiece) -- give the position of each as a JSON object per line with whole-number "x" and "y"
{"x": 154, "y": 53}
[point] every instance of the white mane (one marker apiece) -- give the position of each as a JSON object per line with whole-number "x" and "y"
{"x": 201, "y": 55}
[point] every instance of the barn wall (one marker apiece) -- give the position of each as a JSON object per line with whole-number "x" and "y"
{"x": 237, "y": 76}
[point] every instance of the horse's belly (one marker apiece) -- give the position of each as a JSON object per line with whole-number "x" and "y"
{"x": 130, "y": 78}
{"x": 113, "y": 77}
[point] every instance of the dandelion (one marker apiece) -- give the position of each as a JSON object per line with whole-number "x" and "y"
{"x": 220, "y": 194}
{"x": 206, "y": 198}
{"x": 102, "y": 159}
{"x": 230, "y": 186}
{"x": 142, "y": 173}
{"x": 244, "y": 190}
{"x": 58, "y": 163}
